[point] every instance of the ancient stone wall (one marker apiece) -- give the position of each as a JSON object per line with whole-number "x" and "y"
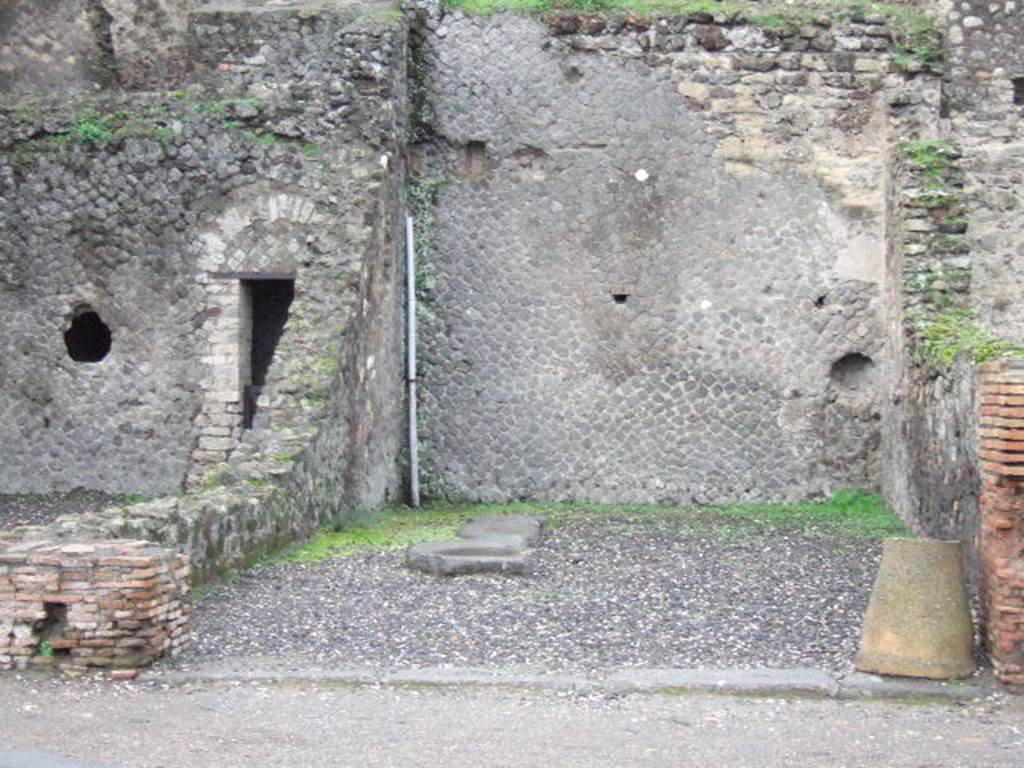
{"x": 94, "y": 223}
{"x": 984, "y": 100}
{"x": 55, "y": 45}
{"x": 150, "y": 41}
{"x": 297, "y": 179}
{"x": 158, "y": 213}
{"x": 930, "y": 471}
{"x": 117, "y": 605}
{"x": 658, "y": 255}
{"x": 955, "y": 239}
{"x": 86, "y": 45}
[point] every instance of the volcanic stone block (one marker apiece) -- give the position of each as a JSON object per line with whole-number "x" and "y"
{"x": 918, "y": 622}
{"x": 507, "y": 526}
{"x": 454, "y": 558}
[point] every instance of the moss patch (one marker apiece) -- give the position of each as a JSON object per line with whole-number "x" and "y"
{"x": 848, "y": 513}
{"x": 395, "y": 528}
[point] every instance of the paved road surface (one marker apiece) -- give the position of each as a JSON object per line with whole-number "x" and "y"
{"x": 308, "y": 725}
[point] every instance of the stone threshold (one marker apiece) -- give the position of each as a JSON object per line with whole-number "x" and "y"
{"x": 761, "y": 683}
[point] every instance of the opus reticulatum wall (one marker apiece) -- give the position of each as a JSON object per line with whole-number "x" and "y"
{"x": 657, "y": 273}
{"x": 696, "y": 259}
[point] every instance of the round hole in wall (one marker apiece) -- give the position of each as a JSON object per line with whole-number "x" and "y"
{"x": 573, "y": 74}
{"x": 853, "y": 371}
{"x": 88, "y": 338}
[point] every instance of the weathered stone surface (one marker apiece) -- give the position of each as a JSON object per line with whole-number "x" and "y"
{"x": 55, "y": 46}
{"x": 643, "y": 297}
{"x": 780, "y": 682}
{"x": 147, "y": 209}
{"x": 457, "y": 558}
{"x": 180, "y": 194}
{"x": 526, "y": 528}
{"x": 918, "y": 622}
{"x": 860, "y": 685}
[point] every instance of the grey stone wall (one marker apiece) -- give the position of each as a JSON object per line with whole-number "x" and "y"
{"x": 235, "y": 175}
{"x": 725, "y": 184}
{"x": 102, "y": 224}
{"x": 930, "y": 445}
{"x": 48, "y": 45}
{"x": 86, "y": 45}
{"x": 138, "y": 206}
{"x": 150, "y": 41}
{"x": 985, "y": 103}
{"x": 955, "y": 242}
{"x": 932, "y": 471}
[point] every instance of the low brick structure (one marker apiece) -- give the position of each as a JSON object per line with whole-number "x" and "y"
{"x": 1002, "y": 515}
{"x": 117, "y": 604}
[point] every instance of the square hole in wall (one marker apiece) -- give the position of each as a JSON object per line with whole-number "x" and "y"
{"x": 474, "y": 161}
{"x": 1018, "y": 90}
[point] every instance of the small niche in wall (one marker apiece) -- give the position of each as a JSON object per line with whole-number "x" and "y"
{"x": 853, "y": 371}
{"x": 50, "y": 630}
{"x": 620, "y": 298}
{"x": 1018, "y": 90}
{"x": 88, "y": 339}
{"x": 270, "y": 302}
{"x": 474, "y": 161}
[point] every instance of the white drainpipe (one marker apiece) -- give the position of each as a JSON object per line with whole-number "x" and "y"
{"x": 410, "y": 289}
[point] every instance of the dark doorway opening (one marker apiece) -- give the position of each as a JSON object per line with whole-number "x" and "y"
{"x": 88, "y": 339}
{"x": 270, "y": 301}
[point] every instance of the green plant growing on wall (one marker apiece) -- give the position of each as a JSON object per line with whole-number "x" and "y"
{"x": 931, "y": 157}
{"x": 949, "y": 244}
{"x": 939, "y": 180}
{"x": 131, "y": 499}
{"x": 945, "y": 335}
{"x": 423, "y": 195}
{"x": 316, "y": 396}
{"x": 917, "y": 41}
{"x": 93, "y": 129}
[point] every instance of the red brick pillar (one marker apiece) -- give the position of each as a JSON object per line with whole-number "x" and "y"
{"x": 1001, "y": 507}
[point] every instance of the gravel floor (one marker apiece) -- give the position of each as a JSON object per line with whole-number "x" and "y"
{"x": 604, "y": 593}
{"x": 41, "y": 509}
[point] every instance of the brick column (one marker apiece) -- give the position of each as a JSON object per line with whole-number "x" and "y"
{"x": 227, "y": 364}
{"x": 1001, "y": 507}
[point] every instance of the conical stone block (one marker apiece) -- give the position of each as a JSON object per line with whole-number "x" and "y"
{"x": 918, "y": 622}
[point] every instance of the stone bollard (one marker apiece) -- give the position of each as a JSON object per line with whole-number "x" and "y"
{"x": 918, "y": 622}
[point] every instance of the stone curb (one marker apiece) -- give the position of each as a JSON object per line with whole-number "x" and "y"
{"x": 767, "y": 683}
{"x": 30, "y": 758}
